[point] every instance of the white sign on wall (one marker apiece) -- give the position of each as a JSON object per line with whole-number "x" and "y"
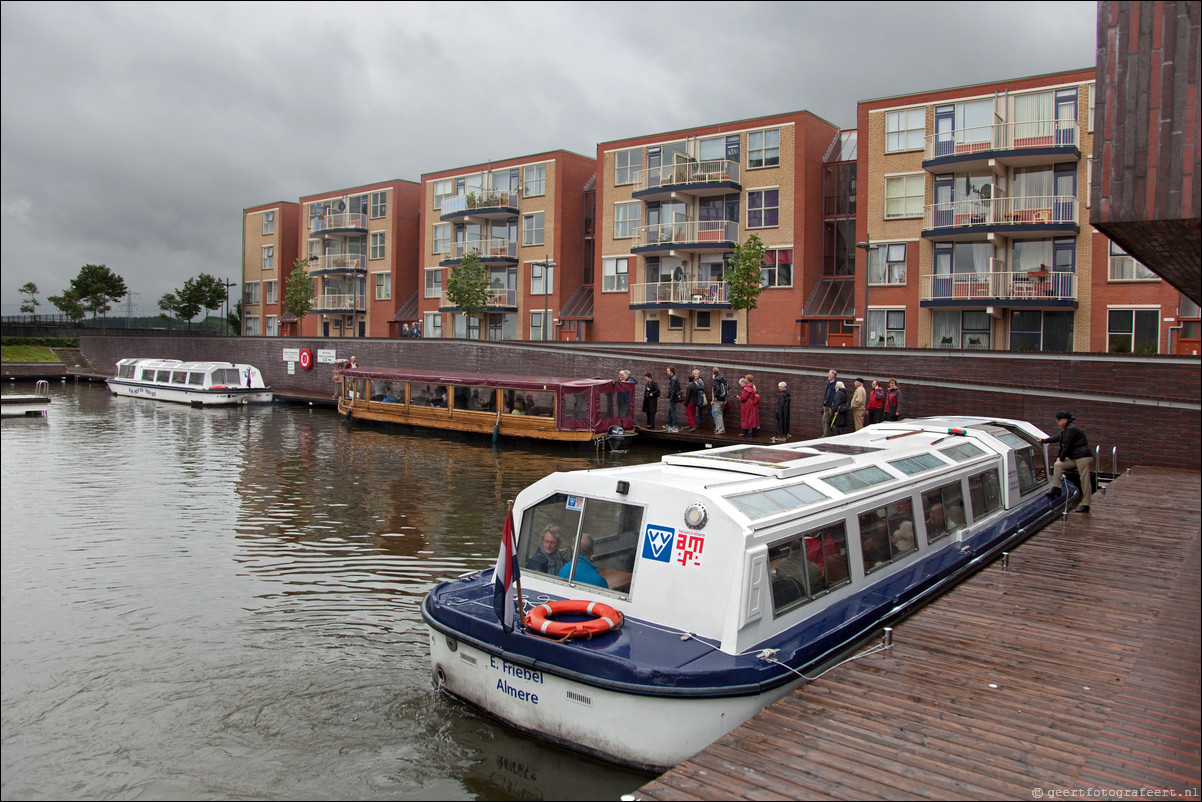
{"x": 326, "y": 356}
{"x": 291, "y": 354}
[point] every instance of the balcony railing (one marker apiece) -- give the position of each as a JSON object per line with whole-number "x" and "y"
{"x": 477, "y": 200}
{"x": 678, "y": 292}
{"x": 339, "y": 302}
{"x": 497, "y": 299}
{"x": 714, "y": 171}
{"x": 339, "y": 221}
{"x": 339, "y": 261}
{"x": 691, "y": 232}
{"x": 1002, "y": 285}
{"x": 1020, "y": 211}
{"x": 495, "y": 248}
{"x": 1003, "y": 137}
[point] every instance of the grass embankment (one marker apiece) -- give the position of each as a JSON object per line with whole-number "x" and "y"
{"x": 26, "y": 353}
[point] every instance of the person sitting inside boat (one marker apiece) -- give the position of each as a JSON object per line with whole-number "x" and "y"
{"x": 519, "y": 406}
{"x": 936, "y": 521}
{"x": 585, "y": 573}
{"x": 875, "y": 544}
{"x": 547, "y": 560}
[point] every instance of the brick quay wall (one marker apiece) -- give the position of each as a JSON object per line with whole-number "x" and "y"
{"x": 1145, "y": 406}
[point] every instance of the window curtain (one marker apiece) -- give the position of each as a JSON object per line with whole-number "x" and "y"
{"x": 1033, "y": 115}
{"x": 945, "y": 328}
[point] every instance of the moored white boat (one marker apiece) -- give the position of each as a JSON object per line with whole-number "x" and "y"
{"x": 738, "y": 572}
{"x": 17, "y": 405}
{"x": 197, "y": 383}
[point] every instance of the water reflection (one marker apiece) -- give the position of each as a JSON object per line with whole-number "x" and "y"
{"x": 225, "y": 603}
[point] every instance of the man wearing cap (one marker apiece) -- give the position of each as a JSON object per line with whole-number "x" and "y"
{"x": 859, "y": 404}
{"x": 1074, "y": 451}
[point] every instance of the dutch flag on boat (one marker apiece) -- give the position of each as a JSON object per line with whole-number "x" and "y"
{"x": 506, "y": 577}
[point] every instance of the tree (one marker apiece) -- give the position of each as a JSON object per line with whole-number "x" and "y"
{"x": 203, "y": 292}
{"x": 68, "y": 303}
{"x": 234, "y": 317}
{"x": 30, "y": 303}
{"x": 745, "y": 278}
{"x": 467, "y": 286}
{"x": 298, "y": 292}
{"x": 95, "y": 289}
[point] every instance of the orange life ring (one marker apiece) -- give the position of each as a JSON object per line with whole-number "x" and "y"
{"x": 606, "y": 619}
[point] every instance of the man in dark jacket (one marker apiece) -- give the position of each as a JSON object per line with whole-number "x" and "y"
{"x": 828, "y": 404}
{"x": 650, "y": 399}
{"x": 1074, "y": 452}
{"x": 784, "y": 409}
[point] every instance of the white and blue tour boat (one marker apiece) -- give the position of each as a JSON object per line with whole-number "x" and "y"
{"x": 201, "y": 384}
{"x": 664, "y": 604}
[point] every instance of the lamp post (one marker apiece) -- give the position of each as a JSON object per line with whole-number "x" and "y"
{"x": 547, "y": 266}
{"x": 867, "y": 247}
{"x": 226, "y": 323}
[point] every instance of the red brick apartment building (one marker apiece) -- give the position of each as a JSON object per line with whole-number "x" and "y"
{"x": 974, "y": 214}
{"x": 528, "y": 219}
{"x": 270, "y": 239}
{"x": 670, "y": 209}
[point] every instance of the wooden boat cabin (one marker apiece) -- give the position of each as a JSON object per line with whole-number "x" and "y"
{"x": 567, "y": 410}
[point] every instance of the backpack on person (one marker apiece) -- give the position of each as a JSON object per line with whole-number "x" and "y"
{"x": 719, "y": 389}
{"x": 701, "y": 399}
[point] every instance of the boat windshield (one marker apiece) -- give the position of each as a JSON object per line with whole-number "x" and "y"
{"x": 227, "y": 376}
{"x": 601, "y": 535}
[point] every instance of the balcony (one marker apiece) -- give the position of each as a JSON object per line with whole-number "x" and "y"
{"x": 1025, "y": 217}
{"x": 499, "y": 299}
{"x": 333, "y": 304}
{"x": 1038, "y": 289}
{"x": 339, "y": 223}
{"x": 695, "y": 294}
{"x": 485, "y": 203}
{"x": 697, "y": 179}
{"x": 1010, "y": 144}
{"x": 338, "y": 263}
{"x": 696, "y": 236}
{"x": 487, "y": 249}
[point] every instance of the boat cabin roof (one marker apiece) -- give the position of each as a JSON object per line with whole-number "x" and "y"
{"x": 175, "y": 364}
{"x": 515, "y": 381}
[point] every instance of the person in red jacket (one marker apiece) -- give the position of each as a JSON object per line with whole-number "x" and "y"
{"x": 876, "y": 403}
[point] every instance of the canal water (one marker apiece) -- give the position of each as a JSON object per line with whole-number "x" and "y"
{"x": 224, "y": 604}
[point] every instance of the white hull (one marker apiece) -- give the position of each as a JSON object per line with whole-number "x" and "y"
{"x": 649, "y": 732}
{"x": 27, "y": 405}
{"x": 207, "y": 398}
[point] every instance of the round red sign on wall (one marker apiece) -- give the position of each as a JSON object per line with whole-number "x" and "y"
{"x": 306, "y": 359}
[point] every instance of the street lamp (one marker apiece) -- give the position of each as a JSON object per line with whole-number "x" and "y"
{"x": 547, "y": 266}
{"x": 867, "y": 247}
{"x": 226, "y": 324}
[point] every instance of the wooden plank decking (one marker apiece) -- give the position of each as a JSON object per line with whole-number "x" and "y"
{"x": 1075, "y": 667}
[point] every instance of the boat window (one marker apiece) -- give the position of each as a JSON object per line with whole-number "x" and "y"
{"x": 429, "y": 395}
{"x": 125, "y": 371}
{"x": 227, "y": 376}
{"x": 575, "y": 405}
{"x": 1031, "y": 468}
{"x": 858, "y": 479}
{"x": 962, "y": 451}
{"x": 841, "y": 448}
{"x": 530, "y": 402}
{"x": 985, "y": 493}
{"x": 887, "y": 534}
{"x": 179, "y": 377}
{"x": 163, "y": 377}
{"x": 390, "y": 392}
{"x": 806, "y": 566}
{"x": 196, "y": 378}
{"x": 943, "y": 509}
{"x": 917, "y": 463}
{"x": 147, "y": 375}
{"x": 603, "y": 534}
{"x": 766, "y": 502}
{"x": 478, "y": 399}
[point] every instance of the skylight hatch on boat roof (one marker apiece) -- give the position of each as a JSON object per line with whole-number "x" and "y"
{"x": 917, "y": 463}
{"x": 761, "y": 460}
{"x": 962, "y": 451}
{"x": 761, "y": 503}
{"x": 859, "y": 479}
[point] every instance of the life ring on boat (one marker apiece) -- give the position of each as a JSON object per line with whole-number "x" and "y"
{"x": 218, "y": 387}
{"x": 606, "y": 619}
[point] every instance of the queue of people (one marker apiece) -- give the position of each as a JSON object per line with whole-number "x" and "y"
{"x": 846, "y": 410}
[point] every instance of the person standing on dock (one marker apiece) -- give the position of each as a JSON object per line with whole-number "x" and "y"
{"x": 784, "y": 407}
{"x": 650, "y": 400}
{"x": 718, "y": 387}
{"x": 859, "y": 404}
{"x": 828, "y": 404}
{"x": 1074, "y": 453}
{"x": 674, "y": 398}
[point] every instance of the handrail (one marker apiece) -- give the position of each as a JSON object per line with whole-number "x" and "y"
{"x": 1003, "y": 136}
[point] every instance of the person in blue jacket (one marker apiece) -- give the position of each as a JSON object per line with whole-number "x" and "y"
{"x": 586, "y": 573}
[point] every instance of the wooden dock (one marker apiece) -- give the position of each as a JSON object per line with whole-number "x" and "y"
{"x": 1074, "y": 668}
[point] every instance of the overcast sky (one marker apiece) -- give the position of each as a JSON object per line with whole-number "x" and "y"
{"x": 135, "y": 133}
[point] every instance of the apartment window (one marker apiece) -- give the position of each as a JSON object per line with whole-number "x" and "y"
{"x": 968, "y": 329}
{"x": 442, "y": 238}
{"x": 1133, "y": 331}
{"x": 904, "y": 195}
{"x": 763, "y": 208}
{"x": 614, "y": 275}
{"x": 1033, "y": 330}
{"x": 542, "y": 279}
{"x": 268, "y": 222}
{"x": 1123, "y": 266}
{"x": 434, "y": 282}
{"x": 433, "y": 326}
{"x": 532, "y": 229}
{"x": 905, "y": 130}
{"x": 314, "y": 250}
{"x": 252, "y": 326}
{"x": 272, "y": 329}
{"x": 442, "y": 190}
{"x": 536, "y": 180}
{"x": 778, "y": 269}
{"x": 383, "y": 286}
{"x": 377, "y": 245}
{"x": 250, "y": 293}
{"x": 269, "y": 257}
{"x": 536, "y": 325}
{"x": 887, "y": 264}
{"x": 627, "y": 165}
{"x": 379, "y": 204}
{"x": 626, "y": 219}
{"x": 763, "y": 148}
{"x": 887, "y": 328}
{"x": 271, "y": 292}
{"x": 702, "y": 321}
